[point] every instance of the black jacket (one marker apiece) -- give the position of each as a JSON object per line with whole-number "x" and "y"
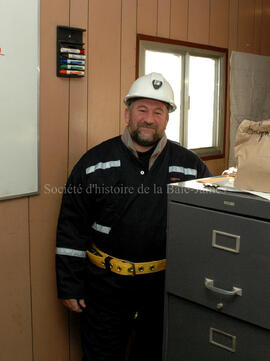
{"x": 111, "y": 199}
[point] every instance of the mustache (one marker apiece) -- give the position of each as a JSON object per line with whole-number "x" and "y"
{"x": 145, "y": 125}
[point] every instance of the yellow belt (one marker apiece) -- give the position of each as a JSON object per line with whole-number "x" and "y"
{"x": 123, "y": 267}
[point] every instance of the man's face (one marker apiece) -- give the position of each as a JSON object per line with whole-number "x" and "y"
{"x": 147, "y": 120}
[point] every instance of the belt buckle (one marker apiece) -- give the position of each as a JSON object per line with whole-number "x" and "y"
{"x": 108, "y": 265}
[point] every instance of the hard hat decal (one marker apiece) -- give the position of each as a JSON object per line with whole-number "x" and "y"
{"x": 157, "y": 84}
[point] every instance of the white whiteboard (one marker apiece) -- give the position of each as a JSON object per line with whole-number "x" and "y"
{"x": 19, "y": 98}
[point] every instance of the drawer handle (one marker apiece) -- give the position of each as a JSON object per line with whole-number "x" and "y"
{"x": 210, "y": 285}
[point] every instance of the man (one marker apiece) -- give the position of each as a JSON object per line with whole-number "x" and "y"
{"x": 115, "y": 207}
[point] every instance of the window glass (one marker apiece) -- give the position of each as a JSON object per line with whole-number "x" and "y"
{"x": 170, "y": 66}
{"x": 201, "y": 102}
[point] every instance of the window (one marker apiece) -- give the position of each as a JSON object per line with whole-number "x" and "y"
{"x": 197, "y": 74}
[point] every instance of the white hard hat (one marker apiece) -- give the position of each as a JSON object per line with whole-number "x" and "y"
{"x": 152, "y": 86}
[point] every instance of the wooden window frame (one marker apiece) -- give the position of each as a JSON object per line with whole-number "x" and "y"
{"x": 142, "y": 37}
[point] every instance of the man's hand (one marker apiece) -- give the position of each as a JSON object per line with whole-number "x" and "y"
{"x": 74, "y": 305}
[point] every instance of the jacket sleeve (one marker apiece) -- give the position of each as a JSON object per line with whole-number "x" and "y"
{"x": 73, "y": 236}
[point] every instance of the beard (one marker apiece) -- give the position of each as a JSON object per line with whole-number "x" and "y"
{"x": 142, "y": 140}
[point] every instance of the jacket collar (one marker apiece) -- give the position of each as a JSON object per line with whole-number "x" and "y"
{"x": 127, "y": 140}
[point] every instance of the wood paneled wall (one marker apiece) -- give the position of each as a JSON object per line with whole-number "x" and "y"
{"x": 77, "y": 114}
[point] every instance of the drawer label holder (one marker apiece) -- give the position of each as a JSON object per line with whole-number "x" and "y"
{"x": 220, "y": 240}
{"x": 215, "y": 334}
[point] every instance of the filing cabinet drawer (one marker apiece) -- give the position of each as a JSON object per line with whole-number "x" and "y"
{"x": 196, "y": 333}
{"x": 220, "y": 260}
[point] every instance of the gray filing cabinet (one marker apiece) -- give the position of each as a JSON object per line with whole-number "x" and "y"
{"x": 217, "y": 295}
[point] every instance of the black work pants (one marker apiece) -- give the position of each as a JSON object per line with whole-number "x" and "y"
{"x": 123, "y": 319}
